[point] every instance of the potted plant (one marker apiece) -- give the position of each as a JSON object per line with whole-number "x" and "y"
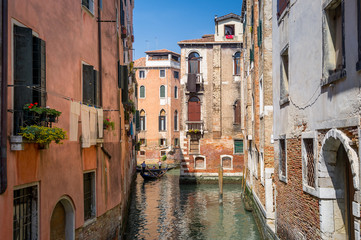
{"x": 108, "y": 125}
{"x": 43, "y": 135}
{"x": 52, "y": 114}
{"x": 37, "y": 113}
{"x": 164, "y": 157}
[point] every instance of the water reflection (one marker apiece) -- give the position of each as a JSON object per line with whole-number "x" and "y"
{"x": 166, "y": 210}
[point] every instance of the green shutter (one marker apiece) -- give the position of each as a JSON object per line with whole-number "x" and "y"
{"x": 142, "y": 92}
{"x": 124, "y": 83}
{"x": 96, "y": 93}
{"x": 252, "y": 17}
{"x": 137, "y": 120}
{"x": 238, "y": 146}
{"x": 88, "y": 84}
{"x": 162, "y": 91}
{"x": 39, "y": 71}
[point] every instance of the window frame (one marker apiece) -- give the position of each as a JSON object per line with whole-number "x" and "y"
{"x": 284, "y": 76}
{"x": 160, "y": 91}
{"x": 232, "y": 26}
{"x": 176, "y": 74}
{"x": 160, "y": 73}
{"x": 204, "y": 161}
{"x": 176, "y": 92}
{"x": 235, "y": 59}
{"x": 142, "y": 120}
{"x": 306, "y": 187}
{"x": 237, "y": 108}
{"x": 282, "y": 175}
{"x": 140, "y": 92}
{"x": 221, "y": 163}
{"x": 162, "y": 118}
{"x": 141, "y": 74}
{"x": 234, "y": 147}
{"x": 89, "y": 8}
{"x": 176, "y": 121}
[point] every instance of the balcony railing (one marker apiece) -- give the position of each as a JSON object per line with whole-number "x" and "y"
{"x": 194, "y": 125}
{"x": 195, "y": 82}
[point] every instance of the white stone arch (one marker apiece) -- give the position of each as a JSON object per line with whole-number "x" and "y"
{"x": 329, "y": 147}
{"x": 69, "y": 208}
{"x": 200, "y": 61}
{"x": 226, "y": 156}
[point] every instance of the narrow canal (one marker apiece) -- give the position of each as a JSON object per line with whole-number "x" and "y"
{"x": 163, "y": 209}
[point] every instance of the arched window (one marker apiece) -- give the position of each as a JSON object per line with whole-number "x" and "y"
{"x": 162, "y": 120}
{"x": 175, "y": 92}
{"x": 194, "y": 63}
{"x": 162, "y": 91}
{"x": 142, "y": 120}
{"x": 199, "y": 163}
{"x": 237, "y": 112}
{"x": 176, "y": 120}
{"x": 227, "y": 161}
{"x": 237, "y": 63}
{"x": 194, "y": 109}
{"x": 142, "y": 92}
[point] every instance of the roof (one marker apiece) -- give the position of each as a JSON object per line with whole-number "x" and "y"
{"x": 205, "y": 38}
{"x": 162, "y": 51}
{"x": 228, "y": 16}
{"x": 139, "y": 62}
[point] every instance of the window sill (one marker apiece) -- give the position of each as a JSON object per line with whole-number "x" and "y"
{"x": 238, "y": 153}
{"x": 340, "y": 74}
{"x": 284, "y": 100}
{"x": 89, "y": 221}
{"x": 87, "y": 10}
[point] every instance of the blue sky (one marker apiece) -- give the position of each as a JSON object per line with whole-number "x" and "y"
{"x": 160, "y": 24}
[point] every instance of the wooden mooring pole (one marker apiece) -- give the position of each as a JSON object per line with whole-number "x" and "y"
{"x": 220, "y": 182}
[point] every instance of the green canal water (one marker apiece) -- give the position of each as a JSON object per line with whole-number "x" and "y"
{"x": 164, "y": 209}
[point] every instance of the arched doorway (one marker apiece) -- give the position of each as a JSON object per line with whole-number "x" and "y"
{"x": 62, "y": 223}
{"x": 338, "y": 180}
{"x": 194, "y": 109}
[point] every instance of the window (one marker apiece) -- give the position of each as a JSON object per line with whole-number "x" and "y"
{"x": 193, "y": 76}
{"x": 261, "y": 97}
{"x": 176, "y": 142}
{"x": 237, "y": 63}
{"x": 162, "y": 153}
{"x": 175, "y": 92}
{"x": 142, "y": 92}
{"x": 142, "y": 120}
{"x": 229, "y": 30}
{"x": 25, "y": 213}
{"x": 282, "y": 159}
{"x": 176, "y": 74}
{"x": 123, "y": 81}
{"x": 175, "y": 58}
{"x": 199, "y": 163}
{"x": 333, "y": 43}
{"x": 162, "y": 73}
{"x": 89, "y": 4}
{"x": 89, "y": 195}
{"x": 194, "y": 109}
{"x": 284, "y": 77}
{"x": 227, "y": 162}
{"x": 238, "y": 146}
{"x": 256, "y": 163}
{"x": 142, "y": 153}
{"x": 162, "y": 142}
{"x": 142, "y": 141}
{"x": 29, "y": 70}
{"x": 308, "y": 162}
{"x": 176, "y": 120}
{"x": 237, "y": 112}
{"x": 162, "y": 91}
{"x": 281, "y": 6}
{"x": 162, "y": 121}
{"x": 261, "y": 161}
{"x": 90, "y": 85}
{"x": 194, "y": 146}
{"x": 141, "y": 74}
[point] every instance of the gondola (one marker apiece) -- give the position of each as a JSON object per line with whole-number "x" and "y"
{"x": 148, "y": 174}
{"x": 155, "y": 170}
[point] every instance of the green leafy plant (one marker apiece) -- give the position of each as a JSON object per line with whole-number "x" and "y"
{"x": 109, "y": 124}
{"x": 43, "y": 135}
{"x": 35, "y": 108}
{"x": 164, "y": 157}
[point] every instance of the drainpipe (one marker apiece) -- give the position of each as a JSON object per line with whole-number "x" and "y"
{"x": 4, "y": 67}
{"x": 100, "y": 55}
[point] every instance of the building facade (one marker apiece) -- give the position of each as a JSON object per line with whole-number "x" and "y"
{"x": 212, "y": 130}
{"x": 316, "y": 99}
{"x": 66, "y": 58}
{"x": 258, "y": 104}
{"x": 158, "y": 76}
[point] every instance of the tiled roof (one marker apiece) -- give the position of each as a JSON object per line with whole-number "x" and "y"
{"x": 230, "y": 15}
{"x": 162, "y": 51}
{"x": 139, "y": 62}
{"x": 205, "y": 38}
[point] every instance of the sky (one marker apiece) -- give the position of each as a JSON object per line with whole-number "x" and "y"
{"x": 160, "y": 24}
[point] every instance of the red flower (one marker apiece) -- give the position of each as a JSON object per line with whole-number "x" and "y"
{"x": 36, "y": 103}
{"x": 29, "y": 106}
{"x": 108, "y": 119}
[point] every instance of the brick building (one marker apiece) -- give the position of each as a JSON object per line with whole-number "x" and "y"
{"x": 212, "y": 132}
{"x": 62, "y": 55}
{"x": 316, "y": 99}
{"x": 258, "y": 104}
{"x": 159, "y": 105}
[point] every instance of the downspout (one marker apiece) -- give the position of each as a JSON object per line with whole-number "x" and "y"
{"x": 4, "y": 74}
{"x": 100, "y": 55}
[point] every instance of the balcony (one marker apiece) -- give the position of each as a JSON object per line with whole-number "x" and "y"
{"x": 195, "y": 82}
{"x": 194, "y": 125}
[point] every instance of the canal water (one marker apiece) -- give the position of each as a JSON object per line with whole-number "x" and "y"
{"x": 164, "y": 209}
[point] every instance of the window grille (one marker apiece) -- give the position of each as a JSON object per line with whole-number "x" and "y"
{"x": 310, "y": 170}
{"x": 25, "y": 220}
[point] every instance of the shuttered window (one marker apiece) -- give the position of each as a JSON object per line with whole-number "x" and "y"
{"x": 238, "y": 146}
{"x": 137, "y": 120}
{"x": 123, "y": 81}
{"x": 162, "y": 91}
{"x": 90, "y": 85}
{"x": 175, "y": 92}
{"x": 176, "y": 121}
{"x": 259, "y": 33}
{"x": 142, "y": 92}
{"x": 29, "y": 73}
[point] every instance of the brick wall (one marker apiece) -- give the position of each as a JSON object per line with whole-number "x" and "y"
{"x": 297, "y": 211}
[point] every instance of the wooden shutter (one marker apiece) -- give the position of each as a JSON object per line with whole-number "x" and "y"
{"x": 159, "y": 123}
{"x": 137, "y": 120}
{"x": 194, "y": 110}
{"x": 88, "y": 84}
{"x": 23, "y": 72}
{"x": 39, "y": 71}
{"x": 124, "y": 83}
{"x": 238, "y": 146}
{"x": 96, "y": 94}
